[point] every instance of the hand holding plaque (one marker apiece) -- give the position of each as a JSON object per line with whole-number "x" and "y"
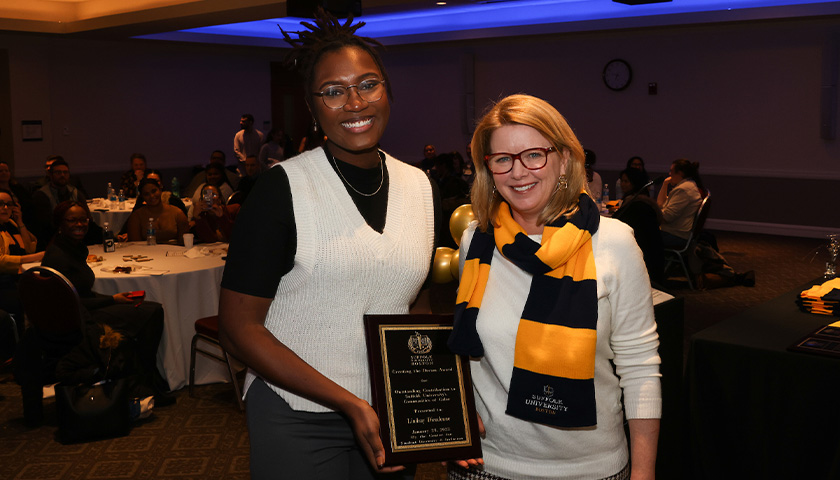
{"x": 421, "y": 391}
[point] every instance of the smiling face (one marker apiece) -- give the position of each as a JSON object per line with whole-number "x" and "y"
{"x": 354, "y": 130}
{"x": 75, "y": 223}
{"x": 151, "y": 194}
{"x": 215, "y": 176}
{"x": 526, "y": 191}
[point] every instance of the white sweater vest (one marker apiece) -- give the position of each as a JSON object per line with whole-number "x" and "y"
{"x": 344, "y": 269}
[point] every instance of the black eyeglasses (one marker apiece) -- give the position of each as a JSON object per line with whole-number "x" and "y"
{"x": 73, "y": 221}
{"x": 6, "y": 204}
{"x": 532, "y": 159}
{"x": 336, "y": 96}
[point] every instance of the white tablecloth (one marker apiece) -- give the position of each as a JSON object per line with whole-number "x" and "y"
{"x": 188, "y": 291}
{"x": 116, "y": 217}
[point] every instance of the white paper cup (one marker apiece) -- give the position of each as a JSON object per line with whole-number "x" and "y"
{"x": 188, "y": 240}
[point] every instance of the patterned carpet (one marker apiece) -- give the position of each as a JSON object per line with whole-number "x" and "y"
{"x": 206, "y": 437}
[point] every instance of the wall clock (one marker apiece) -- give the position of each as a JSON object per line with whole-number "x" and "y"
{"x": 617, "y": 74}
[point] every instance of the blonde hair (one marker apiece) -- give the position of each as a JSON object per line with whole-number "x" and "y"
{"x": 541, "y": 116}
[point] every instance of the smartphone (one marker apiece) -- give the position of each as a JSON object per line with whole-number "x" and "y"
{"x": 138, "y": 295}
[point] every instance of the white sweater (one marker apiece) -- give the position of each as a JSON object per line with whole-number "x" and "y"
{"x": 344, "y": 269}
{"x": 522, "y": 450}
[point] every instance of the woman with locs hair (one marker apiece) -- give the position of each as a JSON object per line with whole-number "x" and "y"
{"x": 330, "y": 235}
{"x": 554, "y": 310}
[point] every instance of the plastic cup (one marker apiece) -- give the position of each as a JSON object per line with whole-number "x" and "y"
{"x": 188, "y": 240}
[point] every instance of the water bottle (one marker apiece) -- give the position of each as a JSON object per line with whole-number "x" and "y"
{"x": 108, "y": 244}
{"x": 122, "y": 200}
{"x": 605, "y": 195}
{"x": 150, "y": 233}
{"x": 112, "y": 194}
{"x": 176, "y": 188}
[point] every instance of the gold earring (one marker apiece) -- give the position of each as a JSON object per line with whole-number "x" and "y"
{"x": 562, "y": 183}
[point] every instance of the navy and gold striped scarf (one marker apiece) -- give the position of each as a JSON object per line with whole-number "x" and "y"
{"x": 554, "y": 362}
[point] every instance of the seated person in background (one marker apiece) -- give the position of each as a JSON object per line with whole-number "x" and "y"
{"x": 592, "y": 178}
{"x": 634, "y": 162}
{"x": 253, "y": 169}
{"x": 165, "y": 196}
{"x": 170, "y": 223}
{"x": 218, "y": 157}
{"x": 679, "y": 199}
{"x": 46, "y": 198}
{"x": 277, "y": 147}
{"x": 20, "y": 194}
{"x": 17, "y": 246}
{"x": 142, "y": 322}
{"x": 214, "y": 222}
{"x": 131, "y": 179}
{"x": 454, "y": 192}
{"x": 215, "y": 175}
{"x": 74, "y": 180}
{"x": 642, "y": 214}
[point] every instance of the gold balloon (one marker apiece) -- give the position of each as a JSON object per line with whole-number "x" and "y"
{"x": 460, "y": 219}
{"x": 441, "y": 272}
{"x": 453, "y": 264}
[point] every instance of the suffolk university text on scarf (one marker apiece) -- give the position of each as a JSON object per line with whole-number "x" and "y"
{"x": 554, "y": 362}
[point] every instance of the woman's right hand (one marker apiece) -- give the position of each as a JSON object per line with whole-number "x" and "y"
{"x": 122, "y": 298}
{"x": 365, "y": 426}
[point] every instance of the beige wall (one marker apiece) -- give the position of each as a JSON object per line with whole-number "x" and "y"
{"x": 743, "y": 99}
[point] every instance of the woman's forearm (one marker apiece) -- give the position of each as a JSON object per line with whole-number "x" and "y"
{"x": 644, "y": 436}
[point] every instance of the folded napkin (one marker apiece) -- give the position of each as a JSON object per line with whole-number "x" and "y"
{"x": 196, "y": 252}
{"x": 822, "y": 299}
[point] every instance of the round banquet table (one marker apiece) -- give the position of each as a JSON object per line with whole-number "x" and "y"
{"x": 116, "y": 217}
{"x": 188, "y": 289}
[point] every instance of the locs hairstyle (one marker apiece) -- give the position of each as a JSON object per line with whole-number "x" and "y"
{"x": 327, "y": 34}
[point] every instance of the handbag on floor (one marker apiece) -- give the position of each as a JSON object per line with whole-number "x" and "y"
{"x": 93, "y": 412}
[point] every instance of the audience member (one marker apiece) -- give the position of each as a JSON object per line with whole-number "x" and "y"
{"x": 248, "y": 140}
{"x": 170, "y": 223}
{"x": 253, "y": 169}
{"x": 454, "y": 192}
{"x": 215, "y": 176}
{"x": 17, "y": 246}
{"x": 141, "y": 322}
{"x": 642, "y": 214}
{"x": 218, "y": 157}
{"x": 592, "y": 178}
{"x": 74, "y": 180}
{"x": 131, "y": 178}
{"x": 20, "y": 194}
{"x": 634, "y": 162}
{"x": 680, "y": 198}
{"x": 166, "y": 196}
{"x": 46, "y": 198}
{"x": 214, "y": 222}
{"x": 468, "y": 170}
{"x": 428, "y": 162}
{"x": 276, "y": 148}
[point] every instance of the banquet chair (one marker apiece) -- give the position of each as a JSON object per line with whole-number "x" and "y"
{"x": 207, "y": 330}
{"x": 681, "y": 255}
{"x": 52, "y": 307}
{"x": 236, "y": 198}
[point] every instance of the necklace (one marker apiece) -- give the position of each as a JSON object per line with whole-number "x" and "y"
{"x": 381, "y": 179}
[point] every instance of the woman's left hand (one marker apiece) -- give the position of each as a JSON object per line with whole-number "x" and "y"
{"x": 17, "y": 215}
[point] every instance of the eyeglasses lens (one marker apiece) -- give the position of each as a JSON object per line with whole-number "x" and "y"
{"x": 6, "y": 204}
{"x": 532, "y": 159}
{"x": 337, "y": 95}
